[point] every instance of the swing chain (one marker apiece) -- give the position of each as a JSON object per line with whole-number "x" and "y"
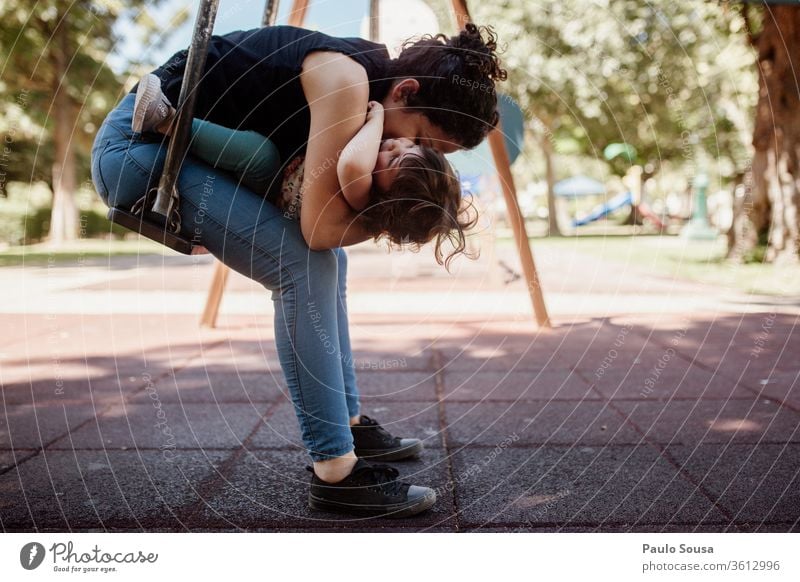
{"x": 145, "y": 203}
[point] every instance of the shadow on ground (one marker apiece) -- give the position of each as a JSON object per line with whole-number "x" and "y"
{"x": 622, "y": 424}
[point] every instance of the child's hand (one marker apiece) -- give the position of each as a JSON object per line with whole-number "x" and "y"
{"x": 374, "y": 111}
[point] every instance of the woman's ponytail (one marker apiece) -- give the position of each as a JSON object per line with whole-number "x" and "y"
{"x": 479, "y": 54}
{"x": 456, "y": 78}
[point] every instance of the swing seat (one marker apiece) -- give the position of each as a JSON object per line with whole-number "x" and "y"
{"x": 150, "y": 227}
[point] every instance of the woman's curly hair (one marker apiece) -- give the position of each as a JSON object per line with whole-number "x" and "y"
{"x": 423, "y": 204}
{"x": 456, "y": 78}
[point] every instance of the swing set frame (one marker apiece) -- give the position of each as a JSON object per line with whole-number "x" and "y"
{"x": 155, "y": 215}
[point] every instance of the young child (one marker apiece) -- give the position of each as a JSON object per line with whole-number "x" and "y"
{"x": 407, "y": 193}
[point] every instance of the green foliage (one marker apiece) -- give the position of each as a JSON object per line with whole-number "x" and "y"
{"x": 33, "y": 53}
{"x": 671, "y": 78}
{"x": 29, "y": 79}
{"x": 755, "y": 255}
{"x": 95, "y": 223}
{"x": 37, "y": 225}
{"x": 19, "y": 225}
{"x": 12, "y": 225}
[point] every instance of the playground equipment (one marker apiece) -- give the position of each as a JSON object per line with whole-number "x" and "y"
{"x": 603, "y": 210}
{"x": 156, "y": 215}
{"x": 698, "y": 227}
{"x": 583, "y": 186}
{"x": 617, "y": 202}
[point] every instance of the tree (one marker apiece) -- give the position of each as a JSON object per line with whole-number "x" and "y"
{"x": 58, "y": 87}
{"x": 669, "y": 78}
{"x": 770, "y": 207}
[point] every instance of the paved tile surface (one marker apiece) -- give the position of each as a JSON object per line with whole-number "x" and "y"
{"x": 689, "y": 422}
{"x": 85, "y": 489}
{"x": 538, "y": 423}
{"x": 172, "y": 425}
{"x": 217, "y": 385}
{"x": 648, "y": 419}
{"x": 755, "y": 484}
{"x": 512, "y": 386}
{"x": 621, "y": 486}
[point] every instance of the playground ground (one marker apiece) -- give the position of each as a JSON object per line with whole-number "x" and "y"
{"x": 655, "y": 404}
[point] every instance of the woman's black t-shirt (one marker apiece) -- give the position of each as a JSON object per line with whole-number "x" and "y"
{"x": 252, "y": 80}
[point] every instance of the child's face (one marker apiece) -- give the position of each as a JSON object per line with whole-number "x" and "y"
{"x": 391, "y": 152}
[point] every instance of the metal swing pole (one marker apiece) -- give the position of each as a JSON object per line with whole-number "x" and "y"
{"x": 503, "y": 165}
{"x": 270, "y": 13}
{"x": 374, "y": 20}
{"x": 167, "y": 198}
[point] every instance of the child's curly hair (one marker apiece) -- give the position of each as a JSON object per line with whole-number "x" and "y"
{"x": 456, "y": 78}
{"x": 423, "y": 204}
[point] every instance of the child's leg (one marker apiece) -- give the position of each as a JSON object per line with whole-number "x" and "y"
{"x": 252, "y": 158}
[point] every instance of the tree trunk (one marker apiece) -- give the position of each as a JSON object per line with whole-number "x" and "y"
{"x": 776, "y": 137}
{"x": 634, "y": 181}
{"x": 64, "y": 218}
{"x": 552, "y": 209}
{"x": 737, "y": 207}
{"x": 751, "y": 212}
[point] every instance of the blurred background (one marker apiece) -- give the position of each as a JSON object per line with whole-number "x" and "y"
{"x": 669, "y": 130}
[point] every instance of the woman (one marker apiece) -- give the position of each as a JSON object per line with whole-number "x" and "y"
{"x": 308, "y": 91}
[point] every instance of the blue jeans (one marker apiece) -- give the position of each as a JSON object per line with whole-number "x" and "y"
{"x": 252, "y": 237}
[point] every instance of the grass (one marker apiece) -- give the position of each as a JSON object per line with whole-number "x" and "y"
{"x": 78, "y": 251}
{"x": 674, "y": 257}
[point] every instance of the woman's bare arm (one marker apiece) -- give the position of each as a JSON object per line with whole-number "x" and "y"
{"x": 358, "y": 159}
{"x": 337, "y": 92}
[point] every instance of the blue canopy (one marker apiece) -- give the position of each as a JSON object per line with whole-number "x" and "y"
{"x": 579, "y": 186}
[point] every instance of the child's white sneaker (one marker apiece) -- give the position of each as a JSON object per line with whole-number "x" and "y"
{"x": 152, "y": 108}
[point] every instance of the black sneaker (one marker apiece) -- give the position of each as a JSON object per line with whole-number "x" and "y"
{"x": 374, "y": 443}
{"x": 370, "y": 490}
